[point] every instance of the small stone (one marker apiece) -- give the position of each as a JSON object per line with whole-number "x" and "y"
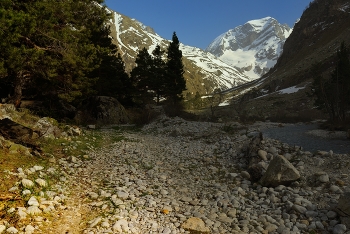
{"x": 232, "y": 213}
{"x": 26, "y": 192}
{"x": 331, "y": 214}
{"x": 271, "y": 228}
{"x": 105, "y": 224}
{"x": 324, "y": 178}
{"x": 262, "y": 154}
{"x": 12, "y": 230}
{"x": 72, "y": 159}
{"x": 94, "y": 222}
{"x": 27, "y": 183}
{"x": 121, "y": 226}
{"x": 166, "y": 231}
{"x": 29, "y": 229}
{"x": 2, "y": 228}
{"x": 13, "y": 189}
{"x": 339, "y": 229}
{"x": 165, "y": 211}
{"x": 334, "y": 189}
{"x": 245, "y": 175}
{"x": 299, "y": 209}
{"x": 186, "y": 199}
{"x": 122, "y": 195}
{"x": 41, "y": 182}
{"x": 33, "y": 202}
{"x": 272, "y": 150}
{"x": 38, "y": 168}
{"x": 21, "y": 213}
{"x": 33, "y": 210}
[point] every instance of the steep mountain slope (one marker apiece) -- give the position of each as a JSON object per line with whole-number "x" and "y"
{"x": 315, "y": 40}
{"x": 203, "y": 71}
{"x": 252, "y": 48}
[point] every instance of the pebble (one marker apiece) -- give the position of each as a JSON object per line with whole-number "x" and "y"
{"x": 11, "y": 230}
{"x": 27, "y": 183}
{"x": 33, "y": 202}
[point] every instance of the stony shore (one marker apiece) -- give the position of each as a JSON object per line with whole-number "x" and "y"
{"x": 176, "y": 176}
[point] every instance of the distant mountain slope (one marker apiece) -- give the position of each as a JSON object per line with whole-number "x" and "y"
{"x": 315, "y": 40}
{"x": 252, "y": 48}
{"x": 203, "y": 71}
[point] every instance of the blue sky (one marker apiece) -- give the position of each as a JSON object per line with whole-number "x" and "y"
{"x": 198, "y": 22}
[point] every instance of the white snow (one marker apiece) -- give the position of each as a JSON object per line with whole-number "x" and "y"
{"x": 261, "y": 53}
{"x": 290, "y": 90}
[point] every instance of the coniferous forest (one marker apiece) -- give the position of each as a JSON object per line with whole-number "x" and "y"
{"x": 60, "y": 53}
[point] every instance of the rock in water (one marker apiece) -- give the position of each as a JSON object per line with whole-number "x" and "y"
{"x": 195, "y": 225}
{"x": 279, "y": 172}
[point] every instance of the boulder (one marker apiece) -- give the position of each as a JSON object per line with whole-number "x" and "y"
{"x": 47, "y": 127}
{"x": 279, "y": 172}
{"x": 102, "y": 110}
{"x": 343, "y": 209}
{"x": 195, "y": 225}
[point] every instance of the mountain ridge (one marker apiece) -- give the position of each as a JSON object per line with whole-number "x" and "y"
{"x": 252, "y": 48}
{"x": 204, "y": 72}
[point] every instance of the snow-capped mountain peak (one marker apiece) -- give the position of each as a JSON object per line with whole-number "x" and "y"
{"x": 252, "y": 48}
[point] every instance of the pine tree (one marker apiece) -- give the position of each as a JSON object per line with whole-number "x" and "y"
{"x": 175, "y": 81}
{"x": 52, "y": 47}
{"x": 141, "y": 75}
{"x": 333, "y": 93}
{"x": 157, "y": 82}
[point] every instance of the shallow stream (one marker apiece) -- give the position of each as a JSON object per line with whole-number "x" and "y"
{"x": 299, "y": 135}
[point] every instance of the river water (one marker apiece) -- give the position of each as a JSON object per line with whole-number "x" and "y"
{"x": 299, "y": 135}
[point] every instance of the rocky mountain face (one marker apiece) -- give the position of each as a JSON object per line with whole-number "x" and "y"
{"x": 252, "y": 48}
{"x": 203, "y": 71}
{"x": 315, "y": 40}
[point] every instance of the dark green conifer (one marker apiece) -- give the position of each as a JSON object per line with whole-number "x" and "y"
{"x": 157, "y": 82}
{"x": 141, "y": 75}
{"x": 175, "y": 81}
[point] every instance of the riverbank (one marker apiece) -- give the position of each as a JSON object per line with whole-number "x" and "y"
{"x": 177, "y": 176}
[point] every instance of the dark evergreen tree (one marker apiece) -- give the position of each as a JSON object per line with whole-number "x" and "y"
{"x": 175, "y": 81}
{"x": 158, "y": 70}
{"x": 52, "y": 46}
{"x": 141, "y": 75}
{"x": 333, "y": 94}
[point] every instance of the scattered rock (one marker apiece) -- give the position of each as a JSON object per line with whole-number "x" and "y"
{"x": 41, "y": 182}
{"x": 280, "y": 172}
{"x": 195, "y": 225}
{"x": 121, "y": 226}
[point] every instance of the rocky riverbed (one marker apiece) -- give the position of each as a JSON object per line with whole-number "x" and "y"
{"x": 176, "y": 176}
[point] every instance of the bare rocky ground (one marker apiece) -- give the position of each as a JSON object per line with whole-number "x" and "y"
{"x": 176, "y": 176}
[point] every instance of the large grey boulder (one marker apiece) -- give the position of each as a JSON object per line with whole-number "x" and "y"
{"x": 102, "y": 110}
{"x": 47, "y": 127}
{"x": 279, "y": 172}
{"x": 343, "y": 209}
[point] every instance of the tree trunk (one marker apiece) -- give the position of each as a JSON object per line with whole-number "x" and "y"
{"x": 18, "y": 87}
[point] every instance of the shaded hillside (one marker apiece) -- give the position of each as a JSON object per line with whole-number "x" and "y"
{"x": 314, "y": 40}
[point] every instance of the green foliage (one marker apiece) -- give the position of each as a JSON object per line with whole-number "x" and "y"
{"x": 175, "y": 83}
{"x": 58, "y": 50}
{"x": 141, "y": 76}
{"x": 333, "y": 93}
{"x": 157, "y": 82}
